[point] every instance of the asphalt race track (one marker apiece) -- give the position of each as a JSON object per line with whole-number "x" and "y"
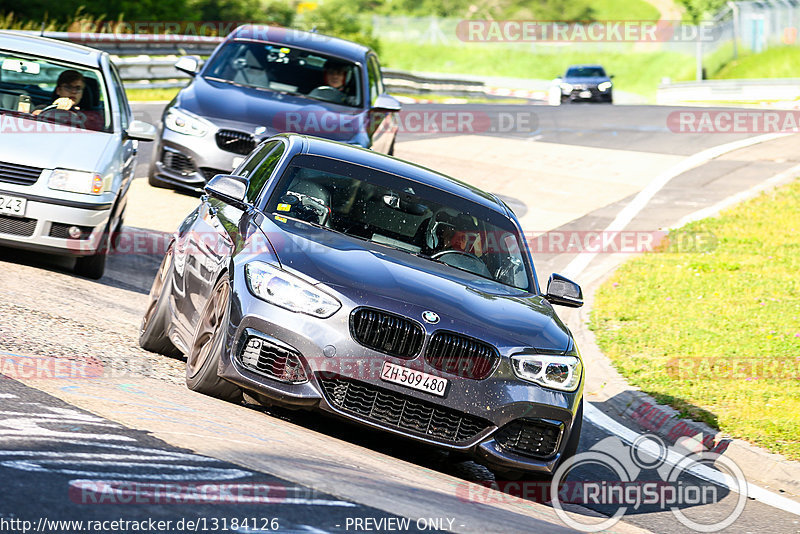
{"x": 123, "y": 439}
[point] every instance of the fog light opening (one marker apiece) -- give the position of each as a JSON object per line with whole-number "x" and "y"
{"x": 74, "y": 232}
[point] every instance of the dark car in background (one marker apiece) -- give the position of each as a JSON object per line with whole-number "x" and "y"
{"x": 586, "y": 82}
{"x": 264, "y": 80}
{"x": 326, "y": 276}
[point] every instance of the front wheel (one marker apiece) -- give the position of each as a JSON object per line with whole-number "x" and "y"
{"x": 94, "y": 266}
{"x": 207, "y": 346}
{"x": 155, "y": 322}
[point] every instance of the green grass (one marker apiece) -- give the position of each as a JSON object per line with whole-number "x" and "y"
{"x": 624, "y": 10}
{"x": 779, "y": 62}
{"x": 144, "y": 95}
{"x": 737, "y": 302}
{"x": 634, "y": 72}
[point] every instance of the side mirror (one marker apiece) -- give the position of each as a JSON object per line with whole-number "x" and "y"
{"x": 188, "y": 64}
{"x": 141, "y": 131}
{"x": 229, "y": 189}
{"x": 386, "y": 103}
{"x": 564, "y": 292}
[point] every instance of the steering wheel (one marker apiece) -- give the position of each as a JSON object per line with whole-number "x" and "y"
{"x": 75, "y": 117}
{"x": 479, "y": 267}
{"x": 506, "y": 273}
{"x": 326, "y": 92}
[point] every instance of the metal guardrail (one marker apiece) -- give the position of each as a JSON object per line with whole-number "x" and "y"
{"x": 122, "y": 44}
{"x": 145, "y": 72}
{"x": 780, "y": 89}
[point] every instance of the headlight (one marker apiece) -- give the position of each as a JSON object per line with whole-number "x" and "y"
{"x": 566, "y": 88}
{"x": 287, "y": 291}
{"x": 77, "y": 182}
{"x": 557, "y": 372}
{"x": 185, "y": 123}
{"x": 604, "y": 86}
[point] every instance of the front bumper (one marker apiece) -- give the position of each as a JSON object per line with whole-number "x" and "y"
{"x": 188, "y": 161}
{"x": 592, "y": 94}
{"x": 494, "y": 420}
{"x": 48, "y": 216}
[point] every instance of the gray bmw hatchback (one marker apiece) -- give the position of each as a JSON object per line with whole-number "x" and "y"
{"x": 325, "y": 276}
{"x": 264, "y": 80}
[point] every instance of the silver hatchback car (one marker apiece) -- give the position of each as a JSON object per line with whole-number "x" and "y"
{"x": 67, "y": 152}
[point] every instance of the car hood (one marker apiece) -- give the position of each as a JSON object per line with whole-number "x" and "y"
{"x": 586, "y": 80}
{"x": 48, "y": 146}
{"x": 276, "y": 112}
{"x": 372, "y": 274}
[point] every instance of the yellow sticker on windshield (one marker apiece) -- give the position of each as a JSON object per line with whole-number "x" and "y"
{"x": 281, "y": 219}
{"x": 284, "y": 207}
{"x": 285, "y": 50}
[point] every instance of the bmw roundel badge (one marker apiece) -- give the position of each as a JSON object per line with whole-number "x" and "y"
{"x": 430, "y": 317}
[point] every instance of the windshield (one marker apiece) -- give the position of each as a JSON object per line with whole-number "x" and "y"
{"x": 586, "y": 72}
{"x": 29, "y": 87}
{"x": 403, "y": 214}
{"x": 278, "y": 68}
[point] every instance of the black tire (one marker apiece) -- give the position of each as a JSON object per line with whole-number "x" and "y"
{"x": 94, "y": 266}
{"x": 117, "y": 235}
{"x": 574, "y": 436}
{"x": 207, "y": 345}
{"x": 154, "y": 327}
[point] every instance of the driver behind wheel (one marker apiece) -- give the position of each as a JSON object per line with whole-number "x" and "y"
{"x": 458, "y": 233}
{"x": 68, "y": 92}
{"x": 334, "y": 77}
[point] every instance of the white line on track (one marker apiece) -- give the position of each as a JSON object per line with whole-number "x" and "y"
{"x": 626, "y": 215}
{"x": 623, "y": 218}
{"x": 598, "y": 418}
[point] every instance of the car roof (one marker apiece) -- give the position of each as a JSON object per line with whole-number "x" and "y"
{"x": 369, "y": 158}
{"x": 49, "y": 48}
{"x": 301, "y": 39}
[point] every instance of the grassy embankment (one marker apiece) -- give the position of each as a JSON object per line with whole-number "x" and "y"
{"x": 716, "y": 334}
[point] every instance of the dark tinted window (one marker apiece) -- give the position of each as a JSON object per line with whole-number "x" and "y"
{"x": 403, "y": 214}
{"x": 586, "y": 72}
{"x": 287, "y": 70}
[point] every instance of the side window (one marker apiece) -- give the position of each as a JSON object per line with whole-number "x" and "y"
{"x": 261, "y": 174}
{"x": 373, "y": 74}
{"x": 119, "y": 89}
{"x": 375, "y": 80}
{"x": 253, "y": 161}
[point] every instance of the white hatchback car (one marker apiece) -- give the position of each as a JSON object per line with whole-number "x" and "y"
{"x": 64, "y": 174}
